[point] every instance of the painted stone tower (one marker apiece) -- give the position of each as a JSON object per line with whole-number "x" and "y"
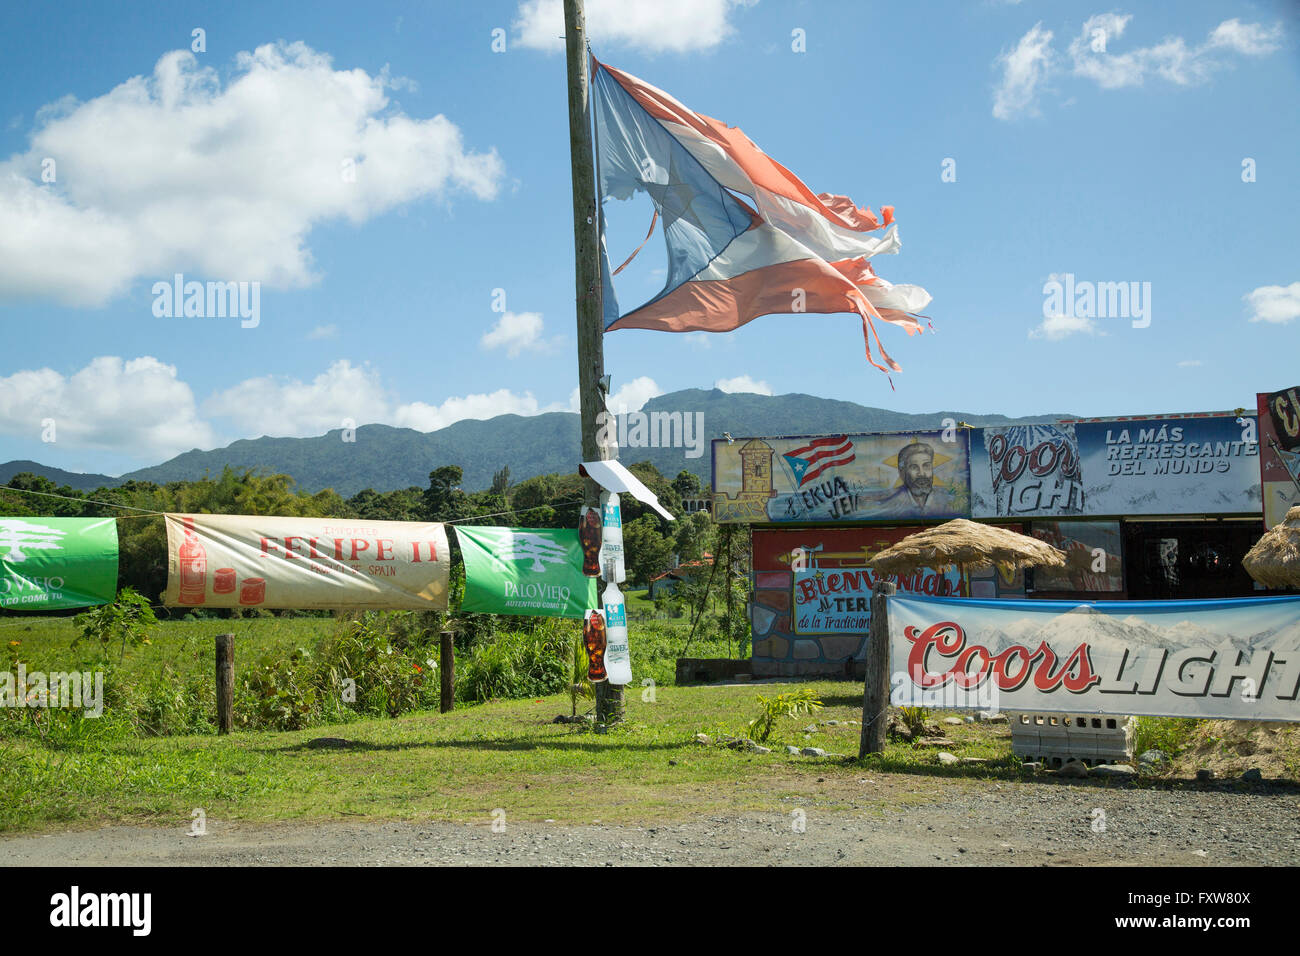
{"x": 750, "y": 503}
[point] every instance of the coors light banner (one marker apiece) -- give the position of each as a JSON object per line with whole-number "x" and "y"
{"x": 1235, "y": 659}
{"x": 254, "y": 561}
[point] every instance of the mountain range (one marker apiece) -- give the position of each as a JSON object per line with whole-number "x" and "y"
{"x": 386, "y": 458}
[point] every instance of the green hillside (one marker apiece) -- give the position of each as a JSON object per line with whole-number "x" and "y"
{"x": 386, "y": 458}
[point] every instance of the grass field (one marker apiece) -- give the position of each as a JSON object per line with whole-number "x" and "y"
{"x": 81, "y": 772}
{"x": 458, "y": 766}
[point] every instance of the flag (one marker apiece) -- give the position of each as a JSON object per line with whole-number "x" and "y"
{"x": 780, "y": 249}
{"x": 812, "y": 459}
{"x": 54, "y": 563}
{"x": 528, "y": 571}
{"x": 268, "y": 561}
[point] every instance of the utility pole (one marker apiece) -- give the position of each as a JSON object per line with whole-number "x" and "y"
{"x": 591, "y": 324}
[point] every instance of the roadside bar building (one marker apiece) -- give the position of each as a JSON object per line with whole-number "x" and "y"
{"x": 1151, "y": 507}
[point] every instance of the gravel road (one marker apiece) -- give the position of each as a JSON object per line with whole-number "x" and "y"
{"x": 890, "y": 819}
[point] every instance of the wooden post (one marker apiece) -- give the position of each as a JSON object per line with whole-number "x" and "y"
{"x": 447, "y": 668}
{"x": 875, "y": 693}
{"x": 225, "y": 682}
{"x": 590, "y": 316}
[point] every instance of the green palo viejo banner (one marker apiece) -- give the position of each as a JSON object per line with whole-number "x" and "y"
{"x": 528, "y": 571}
{"x": 54, "y": 563}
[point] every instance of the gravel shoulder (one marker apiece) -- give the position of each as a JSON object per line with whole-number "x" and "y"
{"x": 885, "y": 819}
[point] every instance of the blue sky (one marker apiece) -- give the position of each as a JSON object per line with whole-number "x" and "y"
{"x": 1122, "y": 164}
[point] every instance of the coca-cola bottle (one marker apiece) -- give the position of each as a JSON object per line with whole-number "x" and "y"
{"x": 590, "y": 536}
{"x": 193, "y": 561}
{"x": 593, "y": 635}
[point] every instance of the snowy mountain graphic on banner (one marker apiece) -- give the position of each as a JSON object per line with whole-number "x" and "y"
{"x": 808, "y": 462}
{"x": 536, "y": 548}
{"x": 20, "y": 537}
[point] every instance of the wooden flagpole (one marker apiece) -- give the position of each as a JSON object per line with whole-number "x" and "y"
{"x": 586, "y": 247}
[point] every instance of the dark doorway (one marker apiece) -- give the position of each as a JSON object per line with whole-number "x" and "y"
{"x": 1197, "y": 559}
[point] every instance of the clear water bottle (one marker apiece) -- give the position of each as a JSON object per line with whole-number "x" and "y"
{"x": 618, "y": 659}
{"x": 611, "y": 520}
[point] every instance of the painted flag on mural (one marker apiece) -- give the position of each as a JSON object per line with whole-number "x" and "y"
{"x": 819, "y": 454}
{"x": 536, "y": 572}
{"x": 781, "y": 249}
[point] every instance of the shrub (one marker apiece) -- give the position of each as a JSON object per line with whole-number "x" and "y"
{"x": 531, "y": 663}
{"x": 772, "y": 709}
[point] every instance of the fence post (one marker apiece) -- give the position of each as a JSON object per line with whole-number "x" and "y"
{"x": 225, "y": 682}
{"x": 447, "y": 667}
{"x": 875, "y": 692}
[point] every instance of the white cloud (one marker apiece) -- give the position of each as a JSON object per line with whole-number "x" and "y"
{"x": 176, "y": 172}
{"x": 288, "y": 407}
{"x": 1057, "y": 327}
{"x": 1172, "y": 59}
{"x": 1249, "y": 39}
{"x": 626, "y": 398}
{"x": 743, "y": 383}
{"x": 1092, "y": 55}
{"x": 1024, "y": 70}
{"x": 699, "y": 340}
{"x": 137, "y": 407}
{"x": 323, "y": 332}
{"x": 353, "y": 393}
{"x": 140, "y": 409}
{"x": 652, "y": 26}
{"x": 630, "y": 397}
{"x": 1190, "y": 363}
{"x": 427, "y": 418}
{"x": 1274, "y": 303}
{"x": 516, "y": 332}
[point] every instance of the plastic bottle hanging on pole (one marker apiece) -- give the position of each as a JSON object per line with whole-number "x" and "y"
{"x": 618, "y": 658}
{"x": 611, "y": 554}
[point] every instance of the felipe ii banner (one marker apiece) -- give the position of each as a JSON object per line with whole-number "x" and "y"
{"x": 1236, "y": 659}
{"x": 52, "y": 563}
{"x": 530, "y": 571}
{"x": 305, "y": 563}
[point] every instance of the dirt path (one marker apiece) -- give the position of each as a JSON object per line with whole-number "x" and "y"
{"x": 979, "y": 824}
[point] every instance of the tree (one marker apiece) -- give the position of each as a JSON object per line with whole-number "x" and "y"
{"x": 646, "y": 551}
{"x": 656, "y": 482}
{"x": 693, "y": 535}
{"x": 403, "y": 504}
{"x": 444, "y": 500}
{"x": 38, "y": 504}
{"x": 687, "y": 485}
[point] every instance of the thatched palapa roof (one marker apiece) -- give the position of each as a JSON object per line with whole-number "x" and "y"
{"x": 968, "y": 545}
{"x": 1274, "y": 561}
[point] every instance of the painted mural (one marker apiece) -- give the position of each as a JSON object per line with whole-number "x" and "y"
{"x": 842, "y": 478}
{"x": 1179, "y": 464}
{"x": 1093, "y": 556}
{"x": 812, "y": 595}
{"x": 1279, "y": 452}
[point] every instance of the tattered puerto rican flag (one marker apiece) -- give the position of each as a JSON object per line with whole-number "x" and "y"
{"x": 786, "y": 250}
{"x": 819, "y": 454}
